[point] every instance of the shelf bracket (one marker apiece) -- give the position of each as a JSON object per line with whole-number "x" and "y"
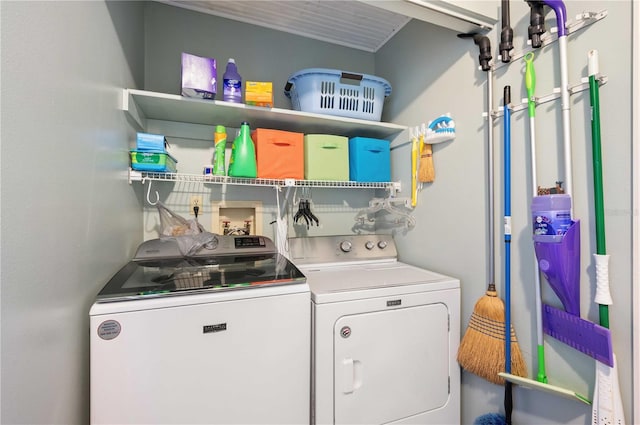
{"x": 129, "y": 106}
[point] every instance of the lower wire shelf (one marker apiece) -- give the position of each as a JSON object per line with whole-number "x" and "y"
{"x": 241, "y": 181}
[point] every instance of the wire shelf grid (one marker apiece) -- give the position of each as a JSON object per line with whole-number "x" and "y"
{"x": 241, "y": 181}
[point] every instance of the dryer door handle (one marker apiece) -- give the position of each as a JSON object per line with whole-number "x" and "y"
{"x": 352, "y": 375}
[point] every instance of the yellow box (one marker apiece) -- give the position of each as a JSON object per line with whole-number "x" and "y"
{"x": 259, "y": 93}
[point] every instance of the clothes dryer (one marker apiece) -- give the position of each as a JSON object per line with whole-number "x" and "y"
{"x": 385, "y": 334}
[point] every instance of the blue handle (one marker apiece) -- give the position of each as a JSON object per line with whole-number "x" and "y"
{"x": 507, "y": 226}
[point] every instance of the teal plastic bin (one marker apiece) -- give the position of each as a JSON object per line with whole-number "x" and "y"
{"x": 369, "y": 160}
{"x": 160, "y": 162}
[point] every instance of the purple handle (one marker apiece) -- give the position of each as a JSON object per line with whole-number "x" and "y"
{"x": 561, "y": 15}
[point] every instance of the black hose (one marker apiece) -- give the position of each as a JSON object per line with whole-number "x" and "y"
{"x": 484, "y": 45}
{"x": 536, "y": 22}
{"x": 506, "y": 35}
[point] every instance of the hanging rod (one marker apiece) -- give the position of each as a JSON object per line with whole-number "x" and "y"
{"x": 557, "y": 93}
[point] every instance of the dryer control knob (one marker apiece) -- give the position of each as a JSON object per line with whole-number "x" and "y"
{"x": 382, "y": 244}
{"x": 369, "y": 245}
{"x": 345, "y": 246}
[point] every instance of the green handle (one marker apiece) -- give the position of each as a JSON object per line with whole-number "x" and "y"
{"x": 542, "y": 374}
{"x": 530, "y": 83}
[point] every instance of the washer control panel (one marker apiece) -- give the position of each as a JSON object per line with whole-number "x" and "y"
{"x": 328, "y": 249}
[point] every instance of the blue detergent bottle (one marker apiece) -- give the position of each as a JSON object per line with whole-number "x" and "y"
{"x": 231, "y": 83}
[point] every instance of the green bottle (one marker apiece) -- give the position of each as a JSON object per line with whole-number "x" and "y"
{"x": 220, "y": 141}
{"x": 243, "y": 154}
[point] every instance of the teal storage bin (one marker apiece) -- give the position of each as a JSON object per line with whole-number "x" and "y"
{"x": 369, "y": 160}
{"x": 326, "y": 157}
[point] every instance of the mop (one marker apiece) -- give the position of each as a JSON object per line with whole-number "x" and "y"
{"x": 563, "y": 276}
{"x": 541, "y": 383}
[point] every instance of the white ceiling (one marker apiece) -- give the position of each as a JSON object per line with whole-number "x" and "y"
{"x": 348, "y": 23}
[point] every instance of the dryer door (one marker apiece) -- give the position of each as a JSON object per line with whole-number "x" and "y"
{"x": 391, "y": 365}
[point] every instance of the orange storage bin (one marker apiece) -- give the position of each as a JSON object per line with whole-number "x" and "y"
{"x": 279, "y": 154}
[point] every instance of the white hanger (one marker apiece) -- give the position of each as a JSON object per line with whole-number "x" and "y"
{"x": 387, "y": 204}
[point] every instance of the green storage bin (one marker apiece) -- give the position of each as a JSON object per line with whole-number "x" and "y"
{"x": 326, "y": 157}
{"x": 153, "y": 161}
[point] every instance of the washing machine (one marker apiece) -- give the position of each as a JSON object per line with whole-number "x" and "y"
{"x": 219, "y": 337}
{"x": 385, "y": 334}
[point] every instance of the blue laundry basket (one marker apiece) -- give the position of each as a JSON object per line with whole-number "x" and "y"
{"x": 334, "y": 92}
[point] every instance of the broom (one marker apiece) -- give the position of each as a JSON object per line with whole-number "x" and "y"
{"x": 481, "y": 349}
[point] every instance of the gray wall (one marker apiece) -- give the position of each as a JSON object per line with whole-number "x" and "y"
{"x": 69, "y": 218}
{"x": 451, "y": 234}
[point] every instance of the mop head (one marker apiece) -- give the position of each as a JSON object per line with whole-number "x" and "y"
{"x": 481, "y": 350}
{"x": 490, "y": 419}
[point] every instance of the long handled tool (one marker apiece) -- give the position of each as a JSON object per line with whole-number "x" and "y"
{"x": 607, "y": 401}
{"x": 530, "y": 83}
{"x": 414, "y": 168}
{"x": 481, "y": 350}
{"x": 541, "y": 383}
{"x": 567, "y": 326}
{"x": 561, "y": 21}
{"x": 508, "y": 396}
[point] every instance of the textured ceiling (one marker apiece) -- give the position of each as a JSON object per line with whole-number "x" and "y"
{"x": 348, "y": 23}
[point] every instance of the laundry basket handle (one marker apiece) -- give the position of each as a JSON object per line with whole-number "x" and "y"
{"x": 351, "y": 76}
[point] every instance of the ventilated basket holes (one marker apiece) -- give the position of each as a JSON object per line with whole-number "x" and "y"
{"x": 369, "y": 93}
{"x": 349, "y": 99}
{"x": 327, "y": 91}
{"x": 327, "y": 87}
{"x": 368, "y": 101}
{"x": 326, "y": 102}
{"x": 367, "y": 107}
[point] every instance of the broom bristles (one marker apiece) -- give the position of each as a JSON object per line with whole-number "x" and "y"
{"x": 482, "y": 348}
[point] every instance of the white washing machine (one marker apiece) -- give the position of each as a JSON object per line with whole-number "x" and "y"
{"x": 385, "y": 334}
{"x": 221, "y": 337}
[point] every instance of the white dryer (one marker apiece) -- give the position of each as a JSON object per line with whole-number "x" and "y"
{"x": 385, "y": 334}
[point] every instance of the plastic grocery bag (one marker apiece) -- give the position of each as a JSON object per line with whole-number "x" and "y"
{"x": 171, "y": 224}
{"x": 188, "y": 234}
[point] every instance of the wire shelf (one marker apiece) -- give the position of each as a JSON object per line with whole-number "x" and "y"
{"x": 241, "y": 181}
